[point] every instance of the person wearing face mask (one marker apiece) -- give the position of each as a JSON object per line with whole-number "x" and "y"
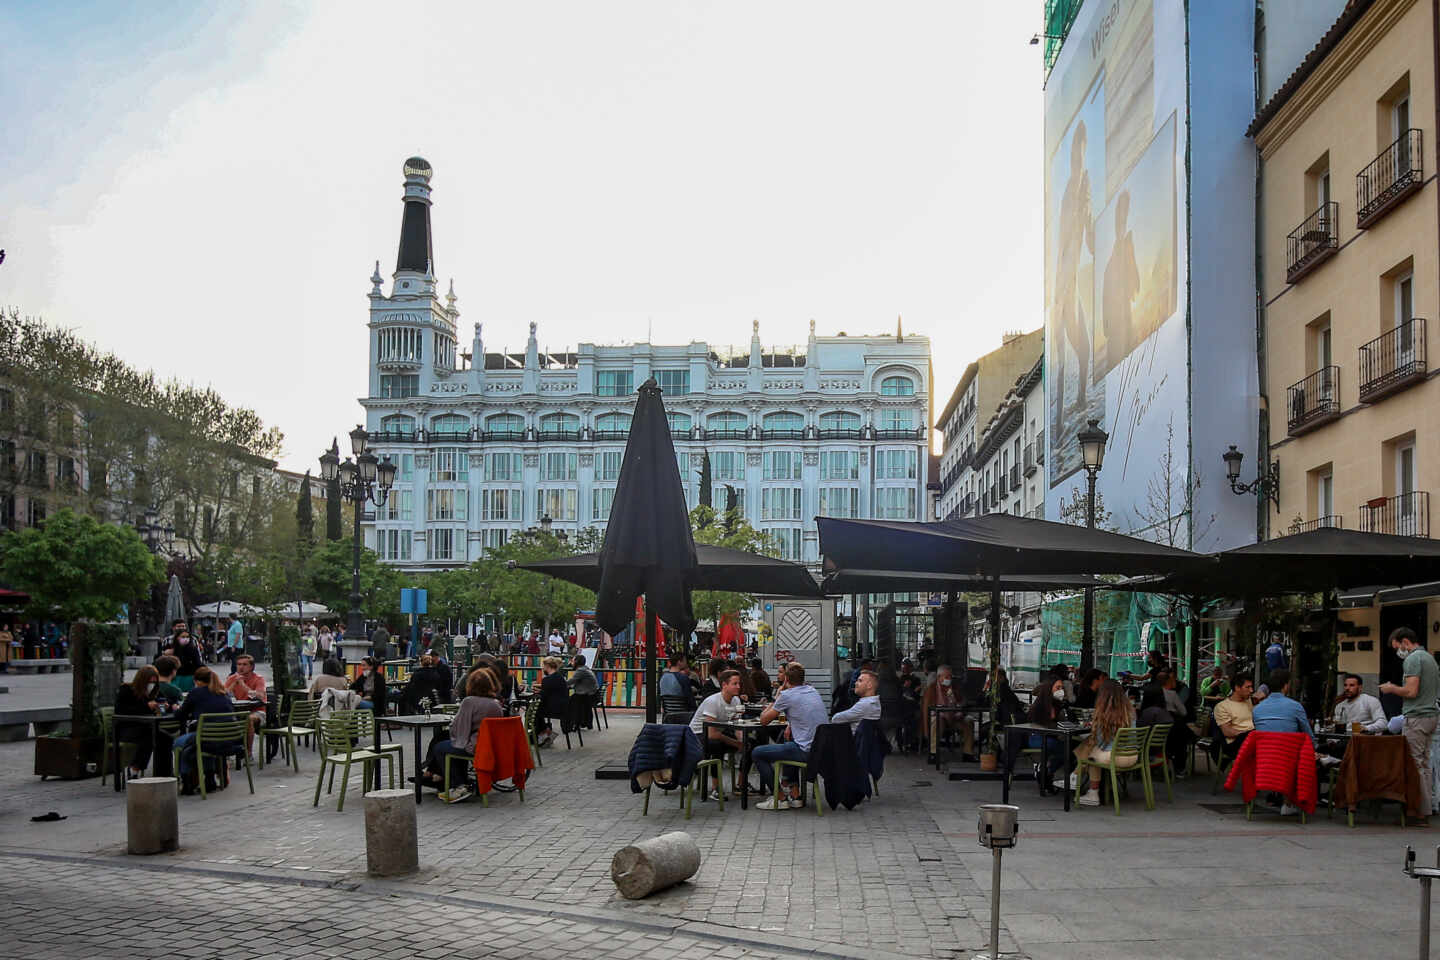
{"x": 138, "y": 698}
{"x": 1047, "y": 709}
{"x": 1417, "y": 696}
{"x": 942, "y": 692}
{"x": 184, "y": 649}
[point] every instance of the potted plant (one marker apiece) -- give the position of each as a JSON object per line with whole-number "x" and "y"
{"x": 82, "y": 572}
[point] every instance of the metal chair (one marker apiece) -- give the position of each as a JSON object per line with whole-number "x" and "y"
{"x": 112, "y": 743}
{"x": 225, "y": 734}
{"x": 342, "y": 736}
{"x": 301, "y": 723}
{"x": 675, "y": 709}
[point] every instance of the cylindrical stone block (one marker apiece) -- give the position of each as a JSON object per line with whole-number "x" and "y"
{"x": 152, "y": 815}
{"x": 650, "y": 865}
{"x": 392, "y": 842}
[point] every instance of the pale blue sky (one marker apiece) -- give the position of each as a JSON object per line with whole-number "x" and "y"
{"x": 204, "y": 188}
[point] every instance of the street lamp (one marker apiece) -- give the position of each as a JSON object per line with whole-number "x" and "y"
{"x": 364, "y": 479}
{"x": 158, "y": 536}
{"x": 1092, "y": 453}
{"x": 1266, "y": 484}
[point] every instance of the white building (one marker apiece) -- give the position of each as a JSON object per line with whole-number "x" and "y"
{"x": 488, "y": 443}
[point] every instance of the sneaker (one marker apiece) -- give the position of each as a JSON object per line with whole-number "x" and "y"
{"x": 1288, "y": 811}
{"x": 455, "y": 795}
{"x": 795, "y": 803}
{"x": 716, "y": 795}
{"x": 769, "y": 803}
{"x": 1090, "y": 798}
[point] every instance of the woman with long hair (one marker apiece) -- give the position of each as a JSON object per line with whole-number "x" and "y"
{"x": 1047, "y": 709}
{"x": 140, "y": 698}
{"x": 1112, "y": 713}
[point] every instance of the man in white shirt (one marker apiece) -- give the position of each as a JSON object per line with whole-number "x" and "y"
{"x": 555, "y": 645}
{"x": 867, "y": 707}
{"x": 1357, "y": 707}
{"x": 724, "y": 707}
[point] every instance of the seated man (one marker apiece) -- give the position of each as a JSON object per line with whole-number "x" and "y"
{"x": 675, "y": 682}
{"x": 1214, "y": 687}
{"x": 942, "y": 692}
{"x": 1278, "y": 712}
{"x": 168, "y": 693}
{"x": 805, "y": 711}
{"x": 724, "y": 706}
{"x": 1233, "y": 715}
{"x": 1355, "y": 706}
{"x": 867, "y": 707}
{"x": 246, "y": 684}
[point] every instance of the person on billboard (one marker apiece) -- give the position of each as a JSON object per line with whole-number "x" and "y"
{"x": 1076, "y": 228}
{"x": 1122, "y": 285}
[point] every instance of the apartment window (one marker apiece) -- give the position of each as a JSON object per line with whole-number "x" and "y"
{"x": 840, "y": 502}
{"x": 557, "y": 424}
{"x": 787, "y": 541}
{"x": 895, "y": 503}
{"x": 1404, "y": 313}
{"x": 393, "y": 544}
{"x": 501, "y": 505}
{"x": 614, "y": 383}
{"x": 400, "y": 344}
{"x": 780, "y": 503}
{"x": 679, "y": 422}
{"x": 7, "y": 512}
{"x": 7, "y": 403}
{"x": 792, "y": 422}
{"x": 897, "y": 387}
{"x": 1405, "y": 469}
{"x": 727, "y": 422}
{"x": 557, "y": 466}
{"x": 503, "y": 467}
{"x": 1325, "y": 495}
{"x": 36, "y": 512}
{"x": 897, "y": 419}
{"x": 37, "y": 469}
{"x": 450, "y": 423}
{"x": 780, "y": 465}
{"x": 673, "y": 382}
{"x": 495, "y": 539}
{"x": 400, "y": 505}
{"x": 443, "y": 543}
{"x": 446, "y": 504}
{"x": 557, "y": 504}
{"x": 727, "y": 465}
{"x": 209, "y": 523}
{"x": 99, "y": 475}
{"x": 395, "y": 386}
{"x": 896, "y": 465}
{"x": 840, "y": 420}
{"x": 600, "y": 500}
{"x": 719, "y": 493}
{"x": 65, "y": 477}
{"x": 449, "y": 466}
{"x": 505, "y": 423}
{"x": 406, "y": 472}
{"x": 613, "y": 423}
{"x": 839, "y": 465}
{"x": 607, "y": 464}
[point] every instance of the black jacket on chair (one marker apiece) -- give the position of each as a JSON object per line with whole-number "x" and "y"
{"x": 871, "y": 749}
{"x": 833, "y": 757}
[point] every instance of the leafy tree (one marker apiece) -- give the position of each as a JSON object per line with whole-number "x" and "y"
{"x": 526, "y": 596}
{"x": 732, "y": 531}
{"x": 334, "y": 520}
{"x": 327, "y": 574}
{"x": 305, "y": 518}
{"x": 706, "y": 481}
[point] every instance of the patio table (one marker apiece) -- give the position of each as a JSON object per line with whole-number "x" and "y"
{"x": 748, "y": 731}
{"x": 417, "y": 723}
{"x": 1067, "y": 733}
{"x": 154, "y": 720}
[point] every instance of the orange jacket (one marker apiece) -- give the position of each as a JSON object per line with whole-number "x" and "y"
{"x": 502, "y": 752}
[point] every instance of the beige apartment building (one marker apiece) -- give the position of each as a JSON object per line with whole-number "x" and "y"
{"x": 1349, "y": 294}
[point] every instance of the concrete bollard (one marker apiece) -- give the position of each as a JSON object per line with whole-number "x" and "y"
{"x": 392, "y": 842}
{"x": 152, "y": 815}
{"x": 650, "y": 865}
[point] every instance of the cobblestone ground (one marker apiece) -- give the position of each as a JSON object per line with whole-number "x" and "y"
{"x": 898, "y": 876}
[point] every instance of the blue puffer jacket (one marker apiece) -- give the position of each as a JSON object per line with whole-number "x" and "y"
{"x": 665, "y": 746}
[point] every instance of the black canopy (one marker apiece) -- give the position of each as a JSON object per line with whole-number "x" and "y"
{"x": 909, "y": 581}
{"x": 996, "y": 545}
{"x": 648, "y": 546}
{"x": 717, "y": 568}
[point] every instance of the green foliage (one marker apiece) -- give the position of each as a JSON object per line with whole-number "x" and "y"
{"x": 285, "y": 650}
{"x": 327, "y": 576}
{"x": 706, "y": 481}
{"x": 304, "y": 519}
{"x": 334, "y": 520}
{"x": 526, "y": 596}
{"x": 76, "y": 568}
{"x": 732, "y": 530}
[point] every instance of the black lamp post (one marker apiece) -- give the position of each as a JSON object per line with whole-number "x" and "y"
{"x": 1266, "y": 483}
{"x": 160, "y": 538}
{"x": 1092, "y": 453}
{"x": 364, "y": 479}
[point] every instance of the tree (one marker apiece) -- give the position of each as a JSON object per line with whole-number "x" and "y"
{"x": 706, "y": 481}
{"x": 525, "y": 596}
{"x": 305, "y": 518}
{"x": 1075, "y": 510}
{"x": 735, "y": 532}
{"x": 334, "y": 520}
{"x": 327, "y": 574}
{"x": 1167, "y": 514}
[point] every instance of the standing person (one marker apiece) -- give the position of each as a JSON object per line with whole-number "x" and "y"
{"x": 234, "y": 640}
{"x": 187, "y": 652}
{"x": 1417, "y": 694}
{"x": 324, "y": 641}
{"x": 309, "y": 645}
{"x": 6, "y": 638}
{"x": 554, "y": 645}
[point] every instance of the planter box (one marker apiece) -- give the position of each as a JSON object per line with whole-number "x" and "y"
{"x": 68, "y": 758}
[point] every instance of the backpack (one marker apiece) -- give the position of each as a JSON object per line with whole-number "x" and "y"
{"x": 332, "y": 700}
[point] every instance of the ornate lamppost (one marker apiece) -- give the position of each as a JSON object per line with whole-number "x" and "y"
{"x": 1092, "y": 453}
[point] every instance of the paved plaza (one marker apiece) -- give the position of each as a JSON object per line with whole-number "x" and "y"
{"x": 269, "y": 875}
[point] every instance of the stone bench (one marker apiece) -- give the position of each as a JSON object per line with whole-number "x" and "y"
{"x": 39, "y": 666}
{"x": 15, "y": 724}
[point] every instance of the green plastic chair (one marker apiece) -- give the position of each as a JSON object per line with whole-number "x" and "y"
{"x": 225, "y": 734}
{"x": 703, "y": 770}
{"x": 1159, "y": 734}
{"x": 341, "y": 738}
{"x": 301, "y": 723}
{"x": 366, "y": 720}
{"x": 449, "y": 709}
{"x": 1130, "y": 743}
{"x": 111, "y": 743}
{"x": 801, "y": 768}
{"x": 532, "y": 712}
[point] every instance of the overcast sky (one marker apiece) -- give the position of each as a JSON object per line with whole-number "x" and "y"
{"x": 204, "y": 188}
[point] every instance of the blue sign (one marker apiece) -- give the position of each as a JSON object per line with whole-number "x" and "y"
{"x": 413, "y": 600}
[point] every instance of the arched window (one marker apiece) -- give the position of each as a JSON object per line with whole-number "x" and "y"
{"x": 728, "y": 422}
{"x": 398, "y": 424}
{"x": 505, "y": 426}
{"x": 450, "y": 423}
{"x": 559, "y": 423}
{"x": 897, "y": 387}
{"x": 612, "y": 425}
{"x": 783, "y": 421}
{"x": 679, "y": 422}
{"x": 839, "y": 420}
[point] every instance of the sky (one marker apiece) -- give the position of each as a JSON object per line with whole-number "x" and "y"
{"x": 204, "y": 188}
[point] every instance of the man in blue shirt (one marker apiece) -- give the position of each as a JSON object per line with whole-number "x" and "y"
{"x": 1278, "y": 712}
{"x": 675, "y": 682}
{"x": 234, "y": 641}
{"x": 804, "y": 711}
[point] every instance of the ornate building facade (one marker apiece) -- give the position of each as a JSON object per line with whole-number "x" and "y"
{"x": 488, "y": 443}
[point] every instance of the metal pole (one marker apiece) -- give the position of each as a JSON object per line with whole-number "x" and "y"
{"x": 652, "y": 677}
{"x": 1424, "y": 918}
{"x": 355, "y": 620}
{"x": 1087, "y": 641}
{"x": 995, "y": 907}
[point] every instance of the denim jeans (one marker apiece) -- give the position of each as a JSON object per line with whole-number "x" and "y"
{"x": 766, "y": 755}
{"x": 307, "y": 663}
{"x": 443, "y": 748}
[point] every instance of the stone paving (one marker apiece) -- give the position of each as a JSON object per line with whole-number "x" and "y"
{"x": 901, "y": 875}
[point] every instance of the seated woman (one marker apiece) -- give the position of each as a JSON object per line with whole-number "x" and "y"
{"x": 478, "y": 704}
{"x": 332, "y": 677}
{"x": 427, "y": 681}
{"x": 1152, "y": 707}
{"x": 1112, "y": 712}
{"x": 139, "y": 698}
{"x": 554, "y": 697}
{"x": 207, "y": 697}
{"x": 371, "y": 670}
{"x": 1047, "y": 709}
{"x": 711, "y": 670}
{"x": 764, "y": 690}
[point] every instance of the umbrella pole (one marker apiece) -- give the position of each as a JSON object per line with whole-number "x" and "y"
{"x": 652, "y": 678}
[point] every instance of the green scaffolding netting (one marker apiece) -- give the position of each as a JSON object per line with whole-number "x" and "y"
{"x": 1121, "y": 620}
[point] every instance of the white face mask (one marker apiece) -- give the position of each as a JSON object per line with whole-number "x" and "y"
{"x": 1058, "y": 694}
{"x": 1401, "y": 652}
{"x": 184, "y": 639}
{"x": 945, "y": 682}
{"x": 153, "y": 687}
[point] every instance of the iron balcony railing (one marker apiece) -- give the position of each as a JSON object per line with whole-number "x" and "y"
{"x": 1315, "y": 400}
{"x": 1406, "y": 514}
{"x": 1333, "y": 521}
{"x": 393, "y": 436}
{"x": 1389, "y": 178}
{"x": 1392, "y": 360}
{"x": 1015, "y": 477}
{"x": 993, "y": 497}
{"x": 610, "y": 434}
{"x": 447, "y": 436}
{"x": 552, "y": 435}
{"x": 782, "y": 434}
{"x": 897, "y": 434}
{"x": 1029, "y": 458}
{"x": 1040, "y": 448}
{"x": 502, "y": 436}
{"x": 726, "y": 434}
{"x": 841, "y": 434}
{"x": 967, "y": 506}
{"x": 1313, "y": 242}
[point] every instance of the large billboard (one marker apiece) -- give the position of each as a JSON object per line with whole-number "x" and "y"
{"x": 1115, "y": 259}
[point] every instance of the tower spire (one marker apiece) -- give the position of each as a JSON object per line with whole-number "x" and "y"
{"x": 415, "y": 254}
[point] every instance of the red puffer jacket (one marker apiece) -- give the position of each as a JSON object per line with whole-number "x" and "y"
{"x": 1280, "y": 762}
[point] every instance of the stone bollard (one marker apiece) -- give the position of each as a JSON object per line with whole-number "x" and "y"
{"x": 152, "y": 815}
{"x": 650, "y": 865}
{"x": 392, "y": 843}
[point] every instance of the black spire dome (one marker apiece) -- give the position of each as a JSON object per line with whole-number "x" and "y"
{"x": 415, "y": 250}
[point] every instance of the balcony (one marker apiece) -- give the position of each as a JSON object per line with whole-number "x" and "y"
{"x": 1389, "y": 179}
{"x": 1015, "y": 477}
{"x": 447, "y": 436}
{"x": 1314, "y": 401}
{"x": 610, "y": 434}
{"x": 967, "y": 506}
{"x": 1406, "y": 515}
{"x": 727, "y": 435}
{"x": 1332, "y": 521}
{"x": 1313, "y": 242}
{"x": 1392, "y": 361}
{"x": 1040, "y": 449}
{"x": 552, "y": 436}
{"x": 841, "y": 434}
{"x": 782, "y": 434}
{"x": 393, "y": 436}
{"x": 502, "y": 436}
{"x": 1002, "y": 485}
{"x": 913, "y": 434}
{"x": 1029, "y": 458}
